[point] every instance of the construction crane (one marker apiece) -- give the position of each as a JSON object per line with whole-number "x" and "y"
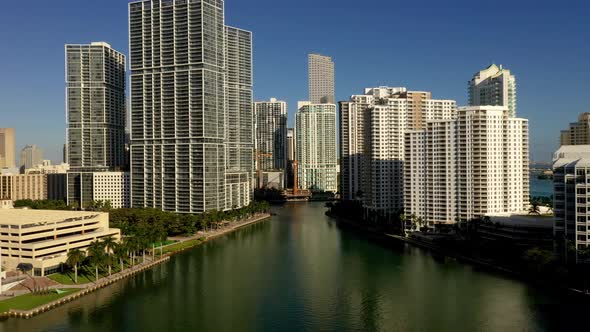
{"x": 258, "y": 156}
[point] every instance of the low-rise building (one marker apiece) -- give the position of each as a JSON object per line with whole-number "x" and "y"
{"x": 43, "y": 238}
{"x": 84, "y": 187}
{"x": 23, "y": 186}
{"x": 522, "y": 230}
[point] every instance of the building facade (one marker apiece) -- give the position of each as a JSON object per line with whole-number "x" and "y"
{"x": 7, "y": 148}
{"x": 30, "y": 156}
{"x": 493, "y": 86}
{"x": 47, "y": 168}
{"x": 321, "y": 79}
{"x": 289, "y": 181}
{"x": 95, "y": 103}
{"x": 271, "y": 134}
{"x": 571, "y": 180}
{"x": 468, "y": 167}
{"x": 191, "y": 107}
{"x": 44, "y": 238}
{"x": 23, "y": 186}
{"x": 578, "y": 133}
{"x": 372, "y": 128}
{"x": 87, "y": 187}
{"x": 315, "y": 135}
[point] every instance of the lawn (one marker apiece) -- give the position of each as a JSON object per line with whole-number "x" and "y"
{"x": 181, "y": 246}
{"x": 86, "y": 275}
{"x": 30, "y": 301}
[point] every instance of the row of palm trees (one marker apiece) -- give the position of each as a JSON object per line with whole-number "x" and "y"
{"x": 107, "y": 252}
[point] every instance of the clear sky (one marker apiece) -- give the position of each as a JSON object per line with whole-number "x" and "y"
{"x": 430, "y": 45}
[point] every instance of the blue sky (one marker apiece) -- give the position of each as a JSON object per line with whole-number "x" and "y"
{"x": 427, "y": 45}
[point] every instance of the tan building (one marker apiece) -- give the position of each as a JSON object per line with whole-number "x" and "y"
{"x": 578, "y": 133}
{"x": 43, "y": 238}
{"x": 23, "y": 186}
{"x": 7, "y": 148}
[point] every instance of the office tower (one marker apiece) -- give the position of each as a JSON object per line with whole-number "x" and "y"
{"x": 191, "y": 107}
{"x": 321, "y": 79}
{"x": 95, "y": 99}
{"x": 571, "y": 180}
{"x": 372, "y": 128}
{"x": 315, "y": 136}
{"x": 469, "y": 167}
{"x": 7, "y": 148}
{"x": 271, "y": 134}
{"x": 290, "y": 157}
{"x": 30, "y": 156}
{"x": 493, "y": 86}
{"x": 578, "y": 133}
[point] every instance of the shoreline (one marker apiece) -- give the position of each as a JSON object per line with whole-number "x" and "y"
{"x": 87, "y": 289}
{"x": 473, "y": 261}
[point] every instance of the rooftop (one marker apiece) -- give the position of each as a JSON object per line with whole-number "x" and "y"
{"x": 541, "y": 221}
{"x": 26, "y": 216}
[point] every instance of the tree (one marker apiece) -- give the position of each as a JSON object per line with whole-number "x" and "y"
{"x": 109, "y": 245}
{"x": 120, "y": 252}
{"x": 96, "y": 255}
{"x": 534, "y": 208}
{"x": 75, "y": 258}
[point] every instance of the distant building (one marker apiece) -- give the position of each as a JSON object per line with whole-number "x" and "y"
{"x": 86, "y": 187}
{"x": 372, "y": 128}
{"x": 469, "y": 167}
{"x": 271, "y": 134}
{"x": 290, "y": 156}
{"x": 273, "y": 180}
{"x": 47, "y": 168}
{"x": 7, "y": 148}
{"x": 520, "y": 230}
{"x": 30, "y": 156}
{"x": 23, "y": 186}
{"x": 571, "y": 180}
{"x": 494, "y": 86}
{"x": 321, "y": 79}
{"x": 44, "y": 238}
{"x": 315, "y": 132}
{"x": 578, "y": 133}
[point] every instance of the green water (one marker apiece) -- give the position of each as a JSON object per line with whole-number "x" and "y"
{"x": 301, "y": 272}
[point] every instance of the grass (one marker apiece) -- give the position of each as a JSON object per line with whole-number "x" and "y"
{"x": 30, "y": 301}
{"x": 165, "y": 243}
{"x": 181, "y": 246}
{"x": 86, "y": 275}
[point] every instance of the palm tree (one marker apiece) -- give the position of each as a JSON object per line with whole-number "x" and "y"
{"x": 96, "y": 255}
{"x": 75, "y": 257}
{"x": 109, "y": 245}
{"x": 120, "y": 253}
{"x": 534, "y": 209}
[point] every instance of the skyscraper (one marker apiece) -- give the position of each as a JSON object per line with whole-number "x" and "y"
{"x": 372, "y": 128}
{"x": 578, "y": 133}
{"x": 191, "y": 107}
{"x": 95, "y": 103}
{"x": 321, "y": 79}
{"x": 468, "y": 167}
{"x": 95, "y": 99}
{"x": 7, "y": 148}
{"x": 494, "y": 86}
{"x": 271, "y": 134}
{"x": 30, "y": 156}
{"x": 315, "y": 132}
{"x": 290, "y": 157}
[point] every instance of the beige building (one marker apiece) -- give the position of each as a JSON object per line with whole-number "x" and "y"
{"x": 23, "y": 186}
{"x": 7, "y": 148}
{"x": 321, "y": 79}
{"x": 43, "y": 238}
{"x": 578, "y": 133}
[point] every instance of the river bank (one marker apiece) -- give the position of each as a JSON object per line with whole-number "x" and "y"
{"x": 488, "y": 265}
{"x": 76, "y": 291}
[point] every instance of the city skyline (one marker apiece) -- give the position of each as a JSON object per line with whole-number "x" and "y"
{"x": 40, "y": 120}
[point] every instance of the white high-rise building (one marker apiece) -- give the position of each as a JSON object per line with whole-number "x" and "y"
{"x": 315, "y": 136}
{"x": 494, "y": 86}
{"x": 571, "y": 179}
{"x": 191, "y": 107}
{"x": 321, "y": 79}
{"x": 372, "y": 128}
{"x": 468, "y": 167}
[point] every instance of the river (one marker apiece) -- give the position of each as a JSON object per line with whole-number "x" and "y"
{"x": 301, "y": 272}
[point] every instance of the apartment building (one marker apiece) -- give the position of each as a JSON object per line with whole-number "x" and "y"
{"x": 372, "y": 128}
{"x": 23, "y": 186}
{"x": 43, "y": 238}
{"x": 315, "y": 136}
{"x": 469, "y": 167}
{"x": 578, "y": 132}
{"x": 271, "y": 134}
{"x": 571, "y": 179}
{"x": 191, "y": 107}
